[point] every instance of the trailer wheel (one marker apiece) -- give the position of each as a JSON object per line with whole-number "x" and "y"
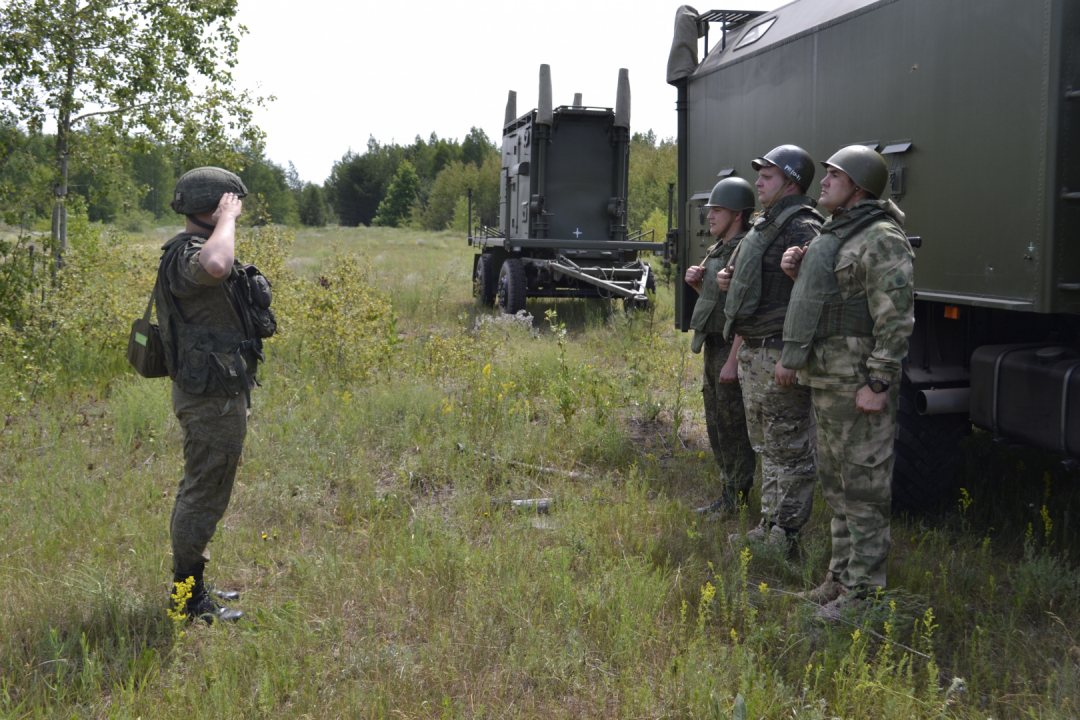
{"x": 927, "y": 452}
{"x": 485, "y": 286}
{"x": 630, "y": 305}
{"x": 512, "y": 286}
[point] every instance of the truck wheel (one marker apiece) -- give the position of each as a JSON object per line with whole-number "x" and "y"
{"x": 927, "y": 452}
{"x": 512, "y": 286}
{"x": 484, "y": 281}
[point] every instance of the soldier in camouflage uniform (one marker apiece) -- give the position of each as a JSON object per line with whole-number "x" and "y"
{"x": 212, "y": 361}
{"x": 730, "y": 204}
{"x": 777, "y": 409}
{"x": 847, "y": 330}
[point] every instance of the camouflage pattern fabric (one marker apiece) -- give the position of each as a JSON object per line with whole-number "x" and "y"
{"x": 725, "y": 420}
{"x": 855, "y": 466}
{"x": 875, "y": 264}
{"x": 767, "y": 318}
{"x": 778, "y": 421}
{"x": 855, "y": 450}
{"x": 214, "y": 429}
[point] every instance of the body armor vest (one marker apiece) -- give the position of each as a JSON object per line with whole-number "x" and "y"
{"x": 747, "y": 285}
{"x": 210, "y": 360}
{"x": 817, "y": 309}
{"x": 706, "y": 320}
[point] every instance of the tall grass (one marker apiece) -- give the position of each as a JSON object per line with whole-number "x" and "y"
{"x": 385, "y": 575}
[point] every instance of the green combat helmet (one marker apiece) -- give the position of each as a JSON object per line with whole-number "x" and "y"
{"x": 793, "y": 161}
{"x": 199, "y": 191}
{"x": 732, "y": 193}
{"x": 865, "y": 167}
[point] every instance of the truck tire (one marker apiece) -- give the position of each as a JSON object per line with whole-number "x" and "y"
{"x": 927, "y": 453}
{"x": 485, "y": 280}
{"x": 512, "y": 286}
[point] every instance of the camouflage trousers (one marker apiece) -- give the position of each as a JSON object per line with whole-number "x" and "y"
{"x": 214, "y": 430}
{"x": 778, "y": 422}
{"x": 855, "y": 464}
{"x": 725, "y": 420}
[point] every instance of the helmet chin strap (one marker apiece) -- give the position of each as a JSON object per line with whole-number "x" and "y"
{"x": 200, "y": 223}
{"x": 776, "y": 195}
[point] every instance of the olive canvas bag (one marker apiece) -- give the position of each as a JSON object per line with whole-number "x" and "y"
{"x": 145, "y": 351}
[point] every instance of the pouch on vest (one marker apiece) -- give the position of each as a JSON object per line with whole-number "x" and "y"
{"x": 209, "y": 361}
{"x": 255, "y": 291}
{"x": 145, "y": 351}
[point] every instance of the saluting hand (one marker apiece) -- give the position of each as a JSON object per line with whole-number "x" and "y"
{"x": 792, "y": 259}
{"x": 229, "y": 207}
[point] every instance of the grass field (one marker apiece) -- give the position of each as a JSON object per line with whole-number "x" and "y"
{"x": 385, "y": 572}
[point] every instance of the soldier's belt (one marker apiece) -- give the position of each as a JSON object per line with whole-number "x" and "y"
{"x": 773, "y": 343}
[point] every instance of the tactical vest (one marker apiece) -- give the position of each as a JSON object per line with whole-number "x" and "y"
{"x": 747, "y": 286}
{"x": 706, "y": 320}
{"x": 209, "y": 360}
{"x": 817, "y": 309}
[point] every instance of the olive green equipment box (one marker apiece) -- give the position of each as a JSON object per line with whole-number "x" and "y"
{"x": 562, "y": 208}
{"x": 975, "y": 105}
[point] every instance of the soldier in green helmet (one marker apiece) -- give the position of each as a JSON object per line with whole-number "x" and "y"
{"x": 730, "y": 205}
{"x": 777, "y": 409}
{"x": 211, "y": 357}
{"x": 846, "y": 332}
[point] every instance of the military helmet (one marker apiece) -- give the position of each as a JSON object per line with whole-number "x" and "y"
{"x": 792, "y": 160}
{"x": 199, "y": 191}
{"x": 865, "y": 167}
{"x": 732, "y": 193}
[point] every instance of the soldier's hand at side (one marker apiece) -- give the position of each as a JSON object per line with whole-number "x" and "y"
{"x": 783, "y": 376}
{"x": 729, "y": 374}
{"x": 870, "y": 402}
{"x": 792, "y": 259}
{"x": 229, "y": 207}
{"x": 723, "y": 279}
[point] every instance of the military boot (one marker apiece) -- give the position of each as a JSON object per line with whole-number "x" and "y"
{"x": 824, "y": 593}
{"x": 726, "y": 504}
{"x": 200, "y": 604}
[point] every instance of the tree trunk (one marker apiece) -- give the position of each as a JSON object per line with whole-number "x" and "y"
{"x": 63, "y": 130}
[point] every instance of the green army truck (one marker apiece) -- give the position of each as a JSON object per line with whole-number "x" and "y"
{"x": 562, "y": 208}
{"x": 975, "y": 105}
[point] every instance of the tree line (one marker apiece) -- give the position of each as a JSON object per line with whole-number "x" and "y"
{"x": 129, "y": 181}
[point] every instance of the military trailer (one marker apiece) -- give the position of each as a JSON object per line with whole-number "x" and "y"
{"x": 562, "y": 207}
{"x": 975, "y": 105}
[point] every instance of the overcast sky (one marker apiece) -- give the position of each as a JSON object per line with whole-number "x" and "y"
{"x": 342, "y": 71}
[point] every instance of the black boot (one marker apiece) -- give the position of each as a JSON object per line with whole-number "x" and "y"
{"x": 726, "y": 504}
{"x": 200, "y": 604}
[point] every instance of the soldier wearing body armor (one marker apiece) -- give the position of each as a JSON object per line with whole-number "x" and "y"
{"x": 777, "y": 409}
{"x": 730, "y": 205}
{"x": 847, "y": 330}
{"x": 211, "y": 353}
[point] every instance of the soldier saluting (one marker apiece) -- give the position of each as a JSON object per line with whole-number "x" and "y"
{"x": 730, "y": 205}
{"x": 211, "y": 351}
{"x": 777, "y": 410}
{"x": 847, "y": 330}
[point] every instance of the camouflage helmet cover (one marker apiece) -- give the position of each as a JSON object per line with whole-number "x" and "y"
{"x": 732, "y": 193}
{"x": 199, "y": 191}
{"x": 792, "y": 160}
{"x": 865, "y": 167}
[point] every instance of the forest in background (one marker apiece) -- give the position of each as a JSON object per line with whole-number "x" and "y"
{"x": 128, "y": 182}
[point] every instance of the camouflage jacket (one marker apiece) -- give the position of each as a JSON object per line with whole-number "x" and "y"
{"x": 708, "y": 317}
{"x": 875, "y": 263}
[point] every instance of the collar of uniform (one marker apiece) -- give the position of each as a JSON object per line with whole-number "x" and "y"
{"x": 782, "y": 204}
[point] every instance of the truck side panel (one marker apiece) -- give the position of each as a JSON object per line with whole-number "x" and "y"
{"x": 955, "y": 79}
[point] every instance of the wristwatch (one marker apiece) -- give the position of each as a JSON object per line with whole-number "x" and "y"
{"x": 877, "y": 385}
